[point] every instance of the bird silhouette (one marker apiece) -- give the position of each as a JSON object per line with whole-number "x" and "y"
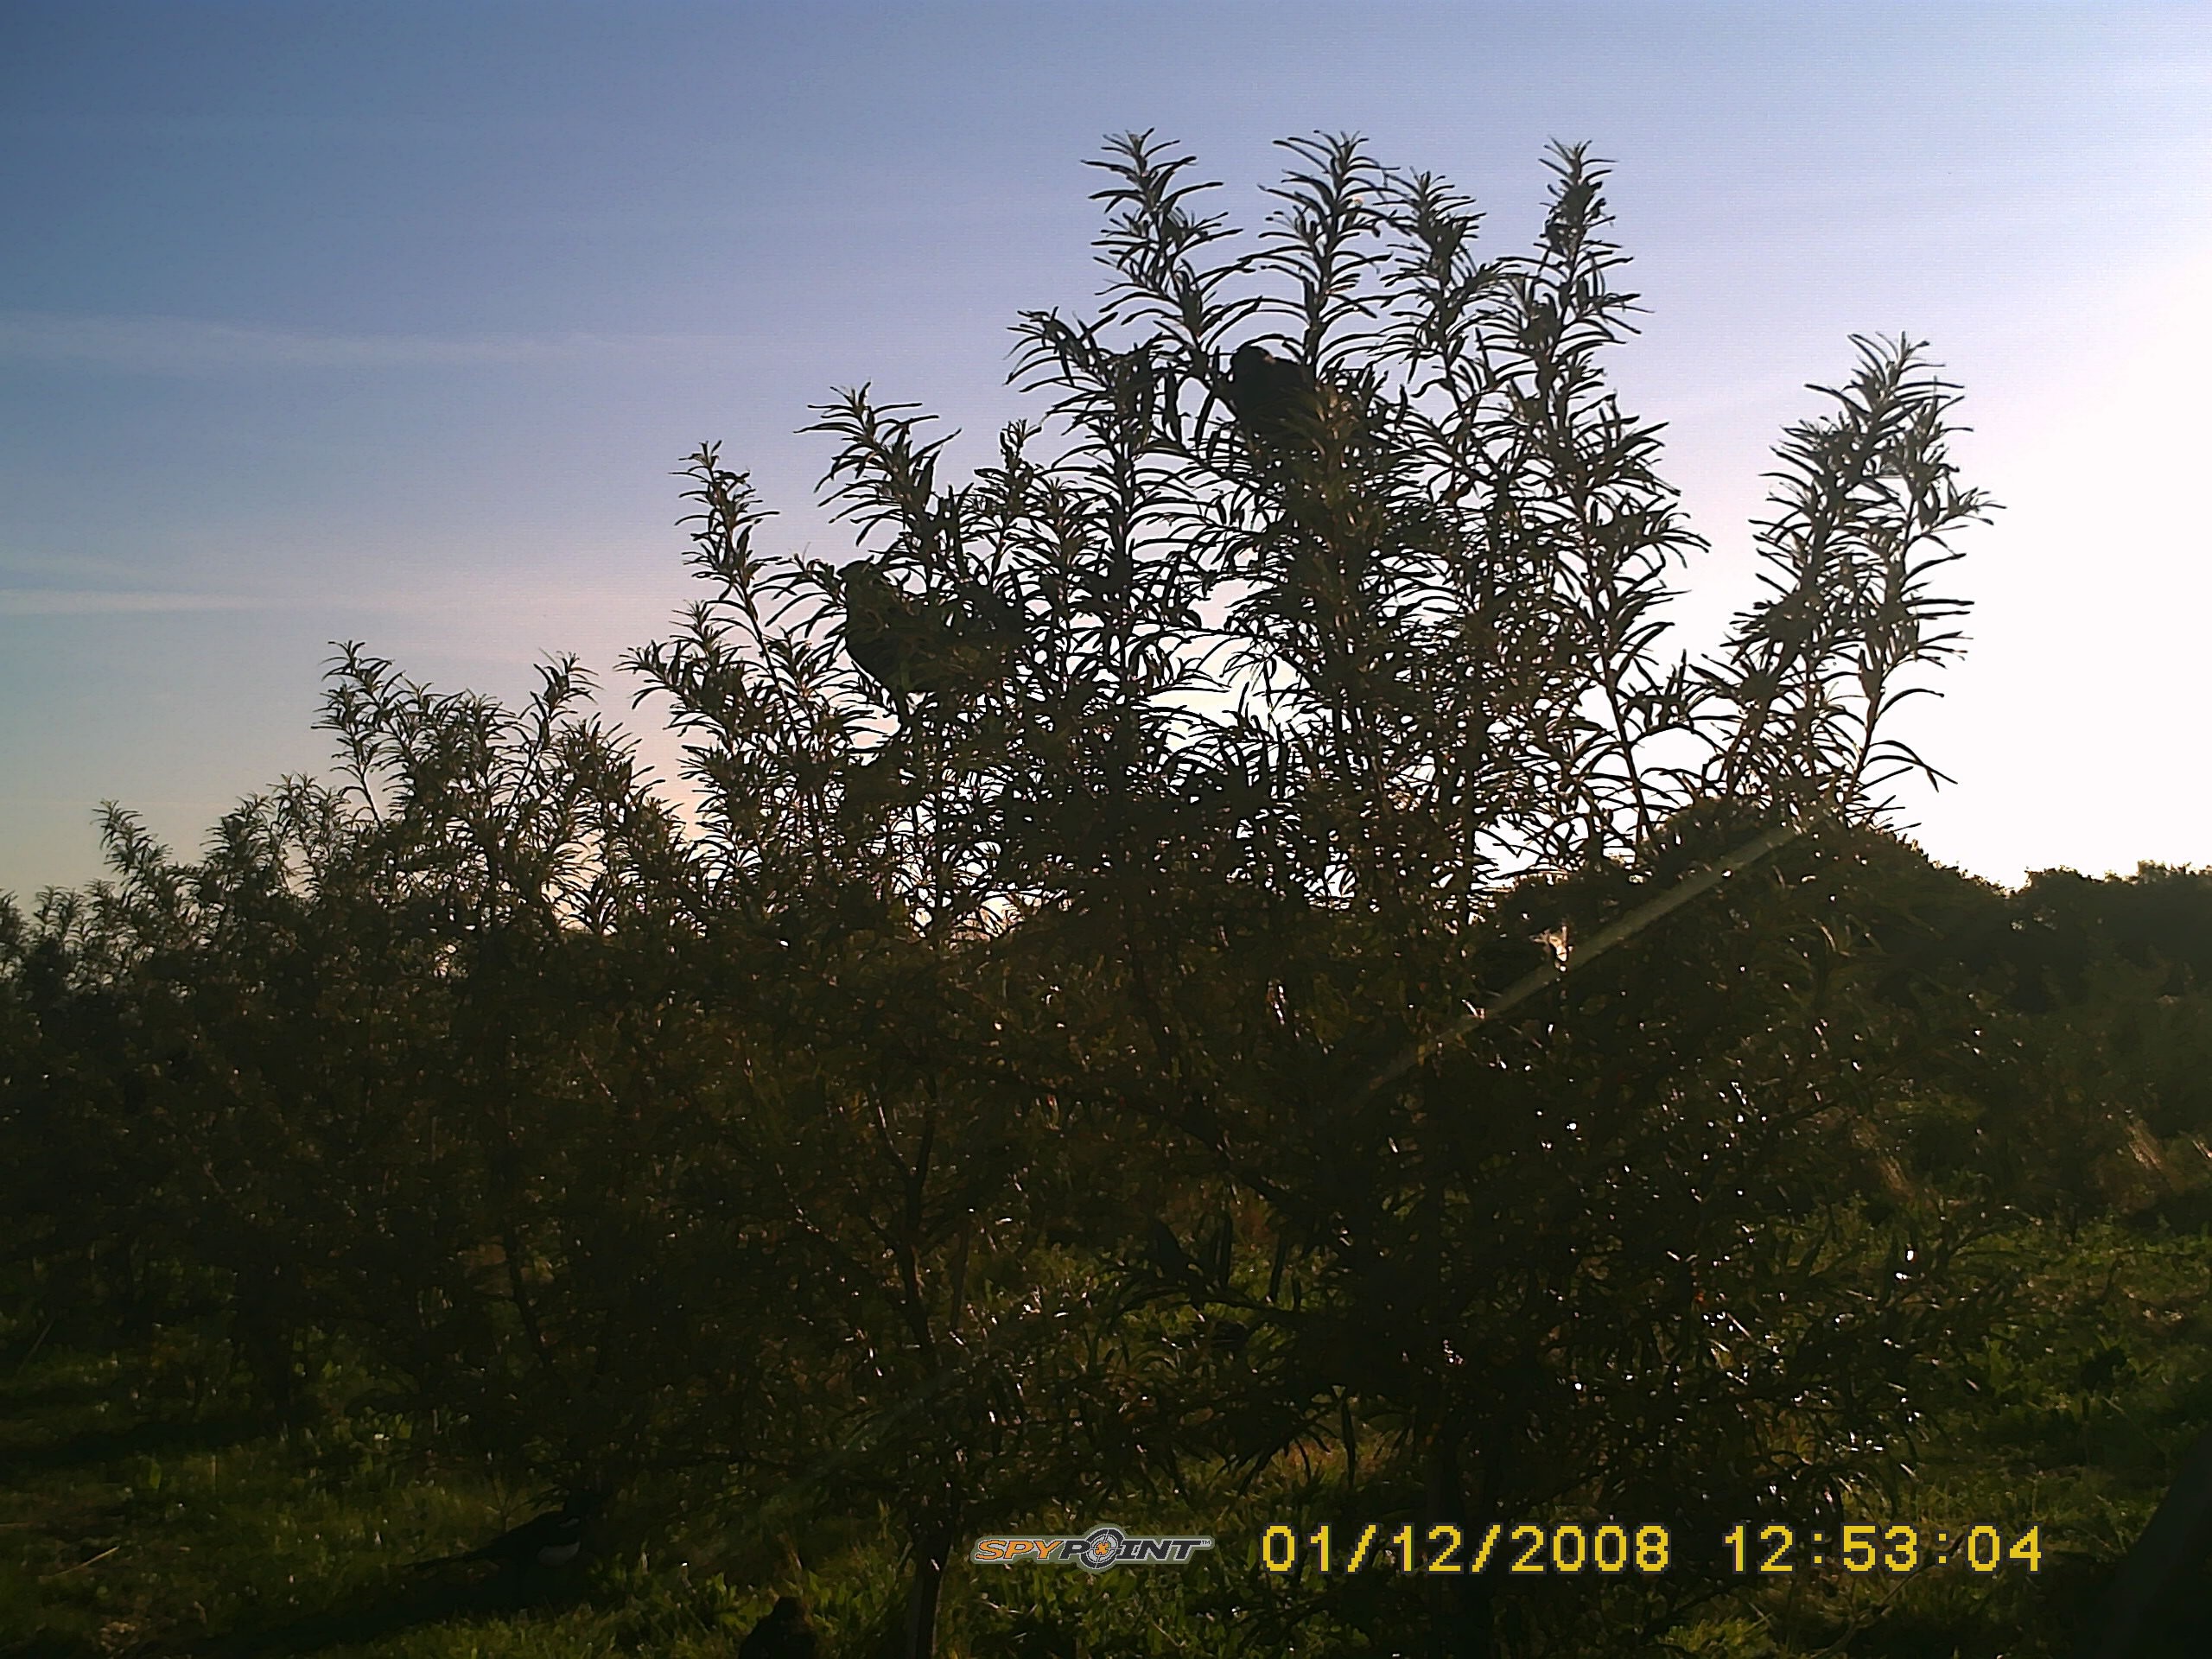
{"x": 915, "y": 646}
{"x": 784, "y": 1634}
{"x": 549, "y": 1541}
{"x": 2159, "y": 1585}
{"x": 1276, "y": 399}
{"x": 1165, "y": 1255}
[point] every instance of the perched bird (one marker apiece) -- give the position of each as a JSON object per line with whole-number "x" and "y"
{"x": 784, "y": 1634}
{"x": 898, "y": 641}
{"x": 1275, "y": 399}
{"x": 1164, "y": 1255}
{"x": 914, "y": 646}
{"x": 551, "y": 1539}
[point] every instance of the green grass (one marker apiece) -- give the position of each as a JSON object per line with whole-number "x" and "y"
{"x": 133, "y": 1520}
{"x": 143, "y": 1512}
{"x": 2079, "y": 1418}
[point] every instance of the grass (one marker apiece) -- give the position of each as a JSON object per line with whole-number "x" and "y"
{"x": 133, "y": 1521}
{"x": 2079, "y": 1418}
{"x": 144, "y": 1512}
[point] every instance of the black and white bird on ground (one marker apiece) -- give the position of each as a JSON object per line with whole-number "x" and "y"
{"x": 784, "y": 1634}
{"x": 547, "y": 1541}
{"x": 915, "y": 647}
{"x": 2159, "y": 1593}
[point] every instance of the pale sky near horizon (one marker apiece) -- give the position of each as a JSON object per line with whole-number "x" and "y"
{"x": 389, "y": 321}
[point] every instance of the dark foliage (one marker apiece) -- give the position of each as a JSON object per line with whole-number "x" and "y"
{"x": 1036, "y": 1070}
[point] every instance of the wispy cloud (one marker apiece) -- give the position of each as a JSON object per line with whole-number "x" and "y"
{"x": 64, "y": 601}
{"x": 467, "y": 598}
{"x": 163, "y": 344}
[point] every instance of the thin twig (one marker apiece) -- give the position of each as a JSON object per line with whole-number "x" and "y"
{"x": 102, "y": 1556}
{"x": 36, "y": 1344}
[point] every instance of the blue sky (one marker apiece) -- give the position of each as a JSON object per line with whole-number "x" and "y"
{"x": 388, "y": 320}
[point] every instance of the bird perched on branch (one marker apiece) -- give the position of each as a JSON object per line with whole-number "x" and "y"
{"x": 552, "y": 1540}
{"x": 923, "y": 646}
{"x": 1275, "y": 399}
{"x": 784, "y": 1634}
{"x": 1165, "y": 1256}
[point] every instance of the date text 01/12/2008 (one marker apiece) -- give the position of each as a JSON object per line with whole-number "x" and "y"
{"x": 1564, "y": 1550}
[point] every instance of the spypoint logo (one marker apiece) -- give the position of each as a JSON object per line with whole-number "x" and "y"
{"x": 1097, "y": 1551}
{"x": 1102, "y": 1549}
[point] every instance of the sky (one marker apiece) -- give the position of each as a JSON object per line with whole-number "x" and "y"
{"x": 389, "y": 321}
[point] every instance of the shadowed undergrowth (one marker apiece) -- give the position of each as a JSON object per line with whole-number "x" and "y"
{"x": 136, "y": 1519}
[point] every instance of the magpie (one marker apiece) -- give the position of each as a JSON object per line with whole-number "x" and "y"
{"x": 912, "y": 646}
{"x": 1275, "y": 399}
{"x": 551, "y": 1539}
{"x": 2159, "y": 1578}
{"x": 784, "y": 1634}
